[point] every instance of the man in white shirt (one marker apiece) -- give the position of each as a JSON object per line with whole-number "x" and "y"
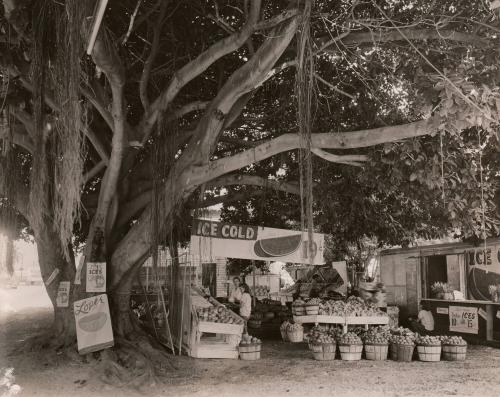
{"x": 424, "y": 324}
{"x": 235, "y": 295}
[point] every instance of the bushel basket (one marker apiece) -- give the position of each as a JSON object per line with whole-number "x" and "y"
{"x": 376, "y": 351}
{"x": 402, "y": 352}
{"x": 429, "y": 352}
{"x": 296, "y": 335}
{"x": 350, "y": 352}
{"x": 454, "y": 352}
{"x": 249, "y": 352}
{"x": 324, "y": 351}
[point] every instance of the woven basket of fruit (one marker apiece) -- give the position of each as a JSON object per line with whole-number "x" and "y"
{"x": 283, "y": 330}
{"x": 429, "y": 348}
{"x": 295, "y": 333}
{"x": 350, "y": 347}
{"x": 454, "y": 348}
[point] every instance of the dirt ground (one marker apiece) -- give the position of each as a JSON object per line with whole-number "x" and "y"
{"x": 284, "y": 370}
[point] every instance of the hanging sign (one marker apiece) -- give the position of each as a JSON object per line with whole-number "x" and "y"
{"x": 96, "y": 277}
{"x": 216, "y": 239}
{"x": 62, "y": 299}
{"x": 78, "y": 274}
{"x": 464, "y": 319}
{"x": 442, "y": 310}
{"x": 93, "y": 324}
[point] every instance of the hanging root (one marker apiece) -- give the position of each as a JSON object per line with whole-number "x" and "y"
{"x": 134, "y": 364}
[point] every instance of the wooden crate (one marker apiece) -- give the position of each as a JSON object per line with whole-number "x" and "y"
{"x": 220, "y": 328}
{"x": 319, "y": 319}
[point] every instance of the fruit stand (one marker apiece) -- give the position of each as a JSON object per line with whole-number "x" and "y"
{"x": 215, "y": 330}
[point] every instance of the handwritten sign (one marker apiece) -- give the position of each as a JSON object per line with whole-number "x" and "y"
{"x": 93, "y": 324}
{"x": 96, "y": 277}
{"x": 464, "y": 319}
{"x": 62, "y": 299}
{"x": 442, "y": 310}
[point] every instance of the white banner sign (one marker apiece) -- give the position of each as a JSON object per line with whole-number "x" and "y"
{"x": 62, "y": 299}
{"x": 96, "y": 277}
{"x": 215, "y": 239}
{"x": 464, "y": 319}
{"x": 93, "y": 324}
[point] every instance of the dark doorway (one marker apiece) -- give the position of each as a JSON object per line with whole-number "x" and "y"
{"x": 209, "y": 277}
{"x": 436, "y": 270}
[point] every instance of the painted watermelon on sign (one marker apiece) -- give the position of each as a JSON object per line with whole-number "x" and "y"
{"x": 278, "y": 246}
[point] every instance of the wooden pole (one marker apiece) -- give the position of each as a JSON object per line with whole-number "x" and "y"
{"x": 253, "y": 275}
{"x": 97, "y": 24}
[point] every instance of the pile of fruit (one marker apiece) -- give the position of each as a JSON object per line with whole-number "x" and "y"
{"x": 260, "y": 290}
{"x": 377, "y": 335}
{"x": 314, "y": 301}
{"x": 294, "y": 327}
{"x": 402, "y": 340}
{"x": 247, "y": 339}
{"x": 336, "y": 333}
{"x": 217, "y": 314}
{"x": 427, "y": 340}
{"x": 321, "y": 338}
{"x": 453, "y": 340}
{"x": 350, "y": 338}
{"x": 353, "y": 307}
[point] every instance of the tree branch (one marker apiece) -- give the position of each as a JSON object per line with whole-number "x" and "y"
{"x": 286, "y": 142}
{"x": 155, "y": 45}
{"x": 350, "y": 159}
{"x": 384, "y": 36}
{"x": 197, "y": 66}
{"x": 255, "y": 180}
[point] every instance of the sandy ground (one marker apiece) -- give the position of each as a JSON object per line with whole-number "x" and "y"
{"x": 284, "y": 370}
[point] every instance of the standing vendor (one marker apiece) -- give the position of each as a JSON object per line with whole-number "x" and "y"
{"x": 235, "y": 295}
{"x": 245, "y": 304}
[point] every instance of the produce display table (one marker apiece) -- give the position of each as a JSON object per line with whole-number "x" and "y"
{"x": 466, "y": 318}
{"x": 344, "y": 321}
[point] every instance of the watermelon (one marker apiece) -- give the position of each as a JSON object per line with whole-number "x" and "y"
{"x": 277, "y": 246}
{"x": 479, "y": 282}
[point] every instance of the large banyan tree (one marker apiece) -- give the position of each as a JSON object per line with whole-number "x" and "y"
{"x": 112, "y": 150}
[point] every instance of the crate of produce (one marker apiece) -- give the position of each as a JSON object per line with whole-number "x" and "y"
{"x": 376, "y": 351}
{"x": 454, "y": 348}
{"x": 295, "y": 333}
{"x": 324, "y": 351}
{"x": 350, "y": 347}
{"x": 249, "y": 348}
{"x": 312, "y": 309}
{"x": 298, "y": 308}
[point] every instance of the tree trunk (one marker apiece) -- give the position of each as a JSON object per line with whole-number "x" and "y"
{"x": 51, "y": 257}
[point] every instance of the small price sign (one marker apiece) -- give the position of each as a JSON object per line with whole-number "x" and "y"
{"x": 464, "y": 319}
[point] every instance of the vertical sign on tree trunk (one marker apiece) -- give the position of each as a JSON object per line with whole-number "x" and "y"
{"x": 96, "y": 277}
{"x": 93, "y": 324}
{"x": 62, "y": 299}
